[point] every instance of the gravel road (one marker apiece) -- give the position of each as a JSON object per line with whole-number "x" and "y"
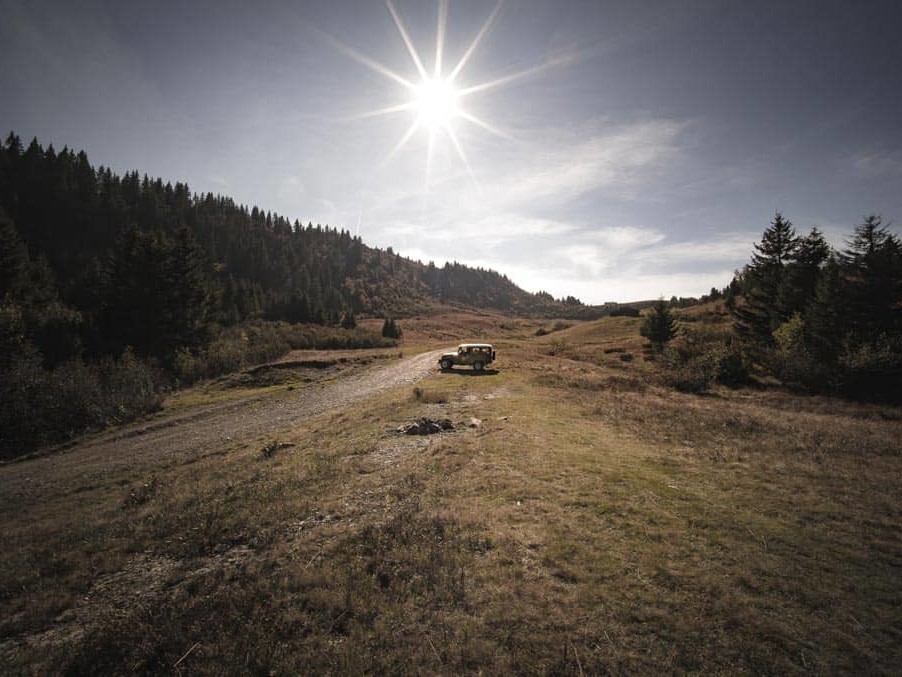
{"x": 204, "y": 430}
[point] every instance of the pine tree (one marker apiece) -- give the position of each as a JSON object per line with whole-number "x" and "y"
{"x": 826, "y": 316}
{"x": 348, "y": 321}
{"x": 390, "y": 329}
{"x": 768, "y": 300}
{"x": 872, "y": 263}
{"x": 13, "y": 260}
{"x": 804, "y": 270}
{"x": 659, "y": 327}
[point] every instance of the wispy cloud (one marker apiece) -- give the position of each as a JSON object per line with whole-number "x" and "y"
{"x": 871, "y": 165}
{"x": 559, "y": 165}
{"x": 521, "y": 216}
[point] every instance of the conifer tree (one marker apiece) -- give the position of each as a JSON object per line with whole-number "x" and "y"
{"x": 872, "y": 262}
{"x": 804, "y": 270}
{"x": 13, "y": 260}
{"x": 767, "y": 301}
{"x": 659, "y": 327}
{"x": 390, "y": 329}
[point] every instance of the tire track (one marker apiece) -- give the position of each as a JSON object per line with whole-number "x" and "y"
{"x": 200, "y": 433}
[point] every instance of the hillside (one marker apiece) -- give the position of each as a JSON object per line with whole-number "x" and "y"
{"x": 88, "y": 225}
{"x": 580, "y": 518}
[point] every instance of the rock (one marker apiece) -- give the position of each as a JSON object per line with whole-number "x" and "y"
{"x": 474, "y": 422}
{"x": 426, "y": 426}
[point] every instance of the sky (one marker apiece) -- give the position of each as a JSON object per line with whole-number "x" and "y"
{"x": 613, "y": 151}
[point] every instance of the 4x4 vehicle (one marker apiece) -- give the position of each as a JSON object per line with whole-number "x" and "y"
{"x": 476, "y": 355}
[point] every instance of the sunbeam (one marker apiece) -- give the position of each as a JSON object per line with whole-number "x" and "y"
{"x": 478, "y": 39}
{"x": 366, "y": 61}
{"x": 434, "y": 99}
{"x": 404, "y": 139}
{"x": 407, "y": 41}
{"x": 440, "y": 37}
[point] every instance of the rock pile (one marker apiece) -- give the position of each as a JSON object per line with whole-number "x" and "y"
{"x": 426, "y": 426}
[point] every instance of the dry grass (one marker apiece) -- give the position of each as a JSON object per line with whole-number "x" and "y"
{"x": 592, "y": 522}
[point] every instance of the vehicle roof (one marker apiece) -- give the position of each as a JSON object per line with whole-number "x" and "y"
{"x": 475, "y": 345}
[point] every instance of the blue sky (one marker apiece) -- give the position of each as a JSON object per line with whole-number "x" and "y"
{"x": 614, "y": 151}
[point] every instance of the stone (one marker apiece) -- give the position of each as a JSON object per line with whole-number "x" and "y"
{"x": 426, "y": 426}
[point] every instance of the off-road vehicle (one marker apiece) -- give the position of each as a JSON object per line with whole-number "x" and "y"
{"x": 476, "y": 355}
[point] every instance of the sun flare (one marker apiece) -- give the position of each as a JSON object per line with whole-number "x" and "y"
{"x": 433, "y": 97}
{"x": 435, "y": 103}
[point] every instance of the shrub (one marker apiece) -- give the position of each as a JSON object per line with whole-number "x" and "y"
{"x": 700, "y": 357}
{"x": 39, "y": 407}
{"x": 390, "y": 329}
{"x": 872, "y": 372}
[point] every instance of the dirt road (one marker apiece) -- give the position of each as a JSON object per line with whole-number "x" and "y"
{"x": 204, "y": 430}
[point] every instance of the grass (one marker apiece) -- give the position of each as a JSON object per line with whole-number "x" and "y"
{"x": 593, "y": 522}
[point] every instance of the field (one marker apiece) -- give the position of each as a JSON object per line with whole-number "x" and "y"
{"x": 580, "y": 518}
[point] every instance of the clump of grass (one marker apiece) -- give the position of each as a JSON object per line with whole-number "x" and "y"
{"x": 559, "y": 325}
{"x": 269, "y": 449}
{"x": 430, "y": 396}
{"x": 142, "y": 493}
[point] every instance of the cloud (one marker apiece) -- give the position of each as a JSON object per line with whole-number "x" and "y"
{"x": 877, "y": 165}
{"x": 558, "y": 166}
{"x": 520, "y": 217}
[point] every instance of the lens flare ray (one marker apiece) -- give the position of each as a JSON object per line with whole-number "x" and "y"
{"x": 476, "y": 41}
{"x": 435, "y": 100}
{"x": 407, "y": 41}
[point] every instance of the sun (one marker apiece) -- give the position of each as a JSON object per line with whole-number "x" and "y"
{"x": 433, "y": 97}
{"x": 435, "y": 102}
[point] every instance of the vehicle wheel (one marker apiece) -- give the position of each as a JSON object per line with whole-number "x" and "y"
{"x": 477, "y": 366}
{"x": 445, "y": 364}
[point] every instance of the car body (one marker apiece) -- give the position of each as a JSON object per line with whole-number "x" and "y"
{"x": 476, "y": 355}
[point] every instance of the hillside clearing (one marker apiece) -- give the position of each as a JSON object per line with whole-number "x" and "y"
{"x": 590, "y": 522}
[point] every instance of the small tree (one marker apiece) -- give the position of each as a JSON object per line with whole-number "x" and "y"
{"x": 348, "y": 321}
{"x": 659, "y": 326}
{"x": 767, "y": 301}
{"x": 390, "y": 329}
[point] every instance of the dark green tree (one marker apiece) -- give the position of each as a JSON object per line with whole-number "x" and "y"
{"x": 803, "y": 272}
{"x": 659, "y": 327}
{"x": 155, "y": 298}
{"x": 348, "y": 321}
{"x": 390, "y": 329}
{"x": 768, "y": 302}
{"x": 14, "y": 265}
{"x": 872, "y": 262}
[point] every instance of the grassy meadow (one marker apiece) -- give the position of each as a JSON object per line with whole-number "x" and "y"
{"x": 582, "y": 518}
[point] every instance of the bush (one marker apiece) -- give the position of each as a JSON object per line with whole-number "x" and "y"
{"x": 390, "y": 329}
{"x": 872, "y": 372}
{"x": 39, "y": 407}
{"x": 241, "y": 346}
{"x": 702, "y": 357}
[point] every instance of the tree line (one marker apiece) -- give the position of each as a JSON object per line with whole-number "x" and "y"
{"x": 823, "y": 319}
{"x": 815, "y": 318}
{"x": 115, "y": 261}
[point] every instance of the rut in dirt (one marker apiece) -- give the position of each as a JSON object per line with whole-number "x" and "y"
{"x": 204, "y": 432}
